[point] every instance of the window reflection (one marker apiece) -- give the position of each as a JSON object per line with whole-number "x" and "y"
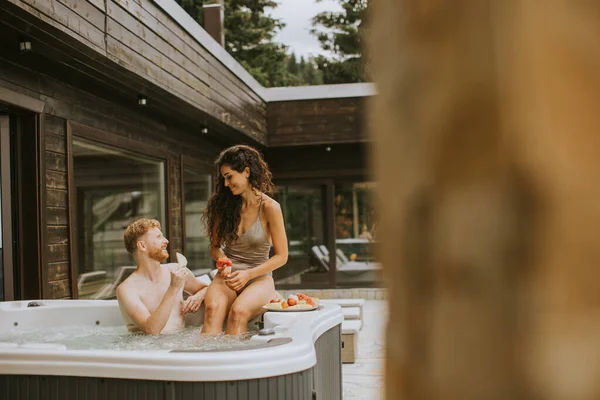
{"x": 197, "y": 189}
{"x": 356, "y": 233}
{"x": 113, "y": 188}
{"x": 302, "y": 207}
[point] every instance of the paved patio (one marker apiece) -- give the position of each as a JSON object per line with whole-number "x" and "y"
{"x": 364, "y": 379}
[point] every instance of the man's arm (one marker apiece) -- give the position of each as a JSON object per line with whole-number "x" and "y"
{"x": 193, "y": 285}
{"x": 197, "y": 290}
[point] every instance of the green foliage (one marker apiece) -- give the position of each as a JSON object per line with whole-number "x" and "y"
{"x": 303, "y": 72}
{"x": 292, "y": 65}
{"x": 341, "y": 34}
{"x": 193, "y": 8}
{"x": 249, "y": 36}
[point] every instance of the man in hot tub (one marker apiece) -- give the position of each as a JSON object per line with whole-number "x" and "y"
{"x": 151, "y": 298}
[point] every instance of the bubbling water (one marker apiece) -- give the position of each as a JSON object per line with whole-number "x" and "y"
{"x": 80, "y": 337}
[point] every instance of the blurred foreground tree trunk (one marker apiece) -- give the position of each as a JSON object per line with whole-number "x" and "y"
{"x": 487, "y": 143}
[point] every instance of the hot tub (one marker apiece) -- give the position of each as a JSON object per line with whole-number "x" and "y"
{"x": 301, "y": 360}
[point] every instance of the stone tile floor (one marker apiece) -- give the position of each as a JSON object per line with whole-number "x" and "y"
{"x": 364, "y": 379}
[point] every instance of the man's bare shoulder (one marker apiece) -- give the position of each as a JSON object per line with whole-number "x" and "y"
{"x": 126, "y": 286}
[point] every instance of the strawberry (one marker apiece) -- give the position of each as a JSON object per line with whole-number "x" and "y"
{"x": 224, "y": 262}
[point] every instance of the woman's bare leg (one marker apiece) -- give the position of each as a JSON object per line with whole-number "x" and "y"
{"x": 249, "y": 303}
{"x": 216, "y": 304}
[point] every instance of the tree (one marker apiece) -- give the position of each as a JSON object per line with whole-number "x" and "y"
{"x": 249, "y": 33}
{"x": 311, "y": 75}
{"x": 292, "y": 65}
{"x": 249, "y": 36}
{"x": 193, "y": 8}
{"x": 341, "y": 33}
{"x": 302, "y": 64}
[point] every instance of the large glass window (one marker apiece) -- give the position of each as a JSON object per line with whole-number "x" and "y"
{"x": 113, "y": 188}
{"x": 303, "y": 215}
{"x": 356, "y": 233}
{"x": 196, "y": 192}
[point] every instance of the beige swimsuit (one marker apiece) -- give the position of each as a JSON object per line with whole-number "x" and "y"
{"x": 250, "y": 249}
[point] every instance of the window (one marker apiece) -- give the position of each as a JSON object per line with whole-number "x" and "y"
{"x": 197, "y": 187}
{"x": 113, "y": 188}
{"x": 356, "y": 233}
{"x": 303, "y": 215}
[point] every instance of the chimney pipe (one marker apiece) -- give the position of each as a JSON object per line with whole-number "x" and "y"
{"x": 214, "y": 22}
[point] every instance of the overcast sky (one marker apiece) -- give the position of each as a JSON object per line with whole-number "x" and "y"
{"x": 296, "y": 14}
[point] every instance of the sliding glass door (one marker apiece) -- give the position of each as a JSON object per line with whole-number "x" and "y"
{"x": 304, "y": 207}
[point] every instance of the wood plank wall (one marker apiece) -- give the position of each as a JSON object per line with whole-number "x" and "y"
{"x": 342, "y": 160}
{"x": 139, "y": 37}
{"x": 58, "y": 254}
{"x": 175, "y": 210}
{"x": 322, "y": 121}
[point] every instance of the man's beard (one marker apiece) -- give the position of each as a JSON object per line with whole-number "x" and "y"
{"x": 158, "y": 254}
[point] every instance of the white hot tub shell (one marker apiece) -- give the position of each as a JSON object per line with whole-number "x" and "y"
{"x": 306, "y": 367}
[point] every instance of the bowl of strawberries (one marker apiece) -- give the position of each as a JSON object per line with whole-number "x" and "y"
{"x": 294, "y": 302}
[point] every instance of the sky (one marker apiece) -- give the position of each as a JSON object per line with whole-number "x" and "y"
{"x": 297, "y": 14}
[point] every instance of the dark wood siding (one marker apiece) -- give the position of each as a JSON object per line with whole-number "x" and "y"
{"x": 176, "y": 233}
{"x": 322, "y": 121}
{"x": 133, "y": 47}
{"x": 342, "y": 160}
{"x": 57, "y": 230}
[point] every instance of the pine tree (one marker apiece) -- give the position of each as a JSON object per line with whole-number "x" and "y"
{"x": 194, "y": 9}
{"x": 302, "y": 66}
{"x": 312, "y": 75}
{"x": 292, "y": 64}
{"x": 249, "y": 33}
{"x": 249, "y": 36}
{"x": 341, "y": 33}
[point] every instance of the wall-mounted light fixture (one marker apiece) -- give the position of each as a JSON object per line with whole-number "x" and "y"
{"x": 327, "y": 148}
{"x": 25, "y": 45}
{"x": 204, "y": 131}
{"x": 142, "y": 100}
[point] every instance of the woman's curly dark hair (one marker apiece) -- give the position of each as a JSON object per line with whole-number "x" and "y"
{"x": 223, "y": 212}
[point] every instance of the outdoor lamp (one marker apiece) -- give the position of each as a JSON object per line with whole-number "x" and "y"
{"x": 25, "y": 46}
{"x": 142, "y": 100}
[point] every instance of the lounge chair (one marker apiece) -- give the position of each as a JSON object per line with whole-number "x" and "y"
{"x": 344, "y": 264}
{"x": 348, "y": 272}
{"x": 109, "y": 291}
{"x": 90, "y": 283}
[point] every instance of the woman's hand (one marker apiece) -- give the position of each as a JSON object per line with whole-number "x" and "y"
{"x": 238, "y": 279}
{"x": 223, "y": 262}
{"x": 225, "y": 272}
{"x": 193, "y": 303}
{"x": 224, "y": 266}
